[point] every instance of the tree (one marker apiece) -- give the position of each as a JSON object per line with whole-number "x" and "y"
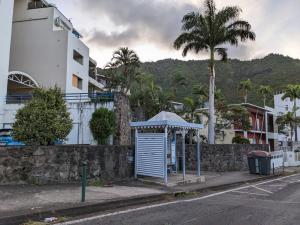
{"x": 102, "y": 125}
{"x": 210, "y": 30}
{"x": 191, "y": 108}
{"x": 201, "y": 92}
{"x": 177, "y": 81}
{"x": 126, "y": 62}
{"x": 44, "y": 120}
{"x": 289, "y": 120}
{"x": 265, "y": 91}
{"x": 293, "y": 93}
{"x": 245, "y": 87}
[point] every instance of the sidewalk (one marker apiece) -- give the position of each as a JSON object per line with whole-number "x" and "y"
{"x": 29, "y": 200}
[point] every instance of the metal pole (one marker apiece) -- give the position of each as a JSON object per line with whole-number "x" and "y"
{"x": 198, "y": 154}
{"x": 83, "y": 181}
{"x": 183, "y": 154}
{"x": 136, "y": 153}
{"x": 273, "y": 169}
{"x": 165, "y": 156}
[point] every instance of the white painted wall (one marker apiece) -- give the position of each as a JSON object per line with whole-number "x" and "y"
{"x": 45, "y": 51}
{"x": 6, "y": 14}
{"x": 282, "y": 107}
{"x": 81, "y": 114}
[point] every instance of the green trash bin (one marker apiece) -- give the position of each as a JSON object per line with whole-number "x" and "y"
{"x": 259, "y": 162}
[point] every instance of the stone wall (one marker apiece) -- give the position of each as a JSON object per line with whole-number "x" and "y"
{"x": 63, "y": 164}
{"x": 122, "y": 134}
{"x": 220, "y": 158}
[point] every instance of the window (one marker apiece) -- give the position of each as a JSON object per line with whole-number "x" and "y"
{"x": 76, "y": 82}
{"x": 77, "y": 57}
{"x": 37, "y": 4}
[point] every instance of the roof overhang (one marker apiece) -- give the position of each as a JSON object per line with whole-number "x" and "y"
{"x": 167, "y": 123}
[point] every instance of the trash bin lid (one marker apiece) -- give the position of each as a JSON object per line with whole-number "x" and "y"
{"x": 258, "y": 153}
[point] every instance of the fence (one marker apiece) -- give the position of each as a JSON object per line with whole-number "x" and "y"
{"x": 277, "y": 159}
{"x": 69, "y": 97}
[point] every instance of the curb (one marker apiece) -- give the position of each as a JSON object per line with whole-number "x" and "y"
{"x": 121, "y": 203}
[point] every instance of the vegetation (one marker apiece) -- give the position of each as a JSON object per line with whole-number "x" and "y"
{"x": 277, "y": 71}
{"x": 122, "y": 69}
{"x": 293, "y": 93}
{"x": 102, "y": 125}
{"x": 288, "y": 123}
{"x": 265, "y": 91}
{"x": 209, "y": 30}
{"x": 44, "y": 120}
{"x": 245, "y": 87}
{"x": 240, "y": 140}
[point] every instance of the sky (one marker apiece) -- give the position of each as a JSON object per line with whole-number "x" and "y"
{"x": 150, "y": 26}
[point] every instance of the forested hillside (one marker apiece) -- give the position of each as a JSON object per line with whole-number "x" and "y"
{"x": 274, "y": 70}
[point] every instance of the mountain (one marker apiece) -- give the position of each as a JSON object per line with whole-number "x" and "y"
{"x": 274, "y": 70}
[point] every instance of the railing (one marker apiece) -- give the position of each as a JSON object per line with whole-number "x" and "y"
{"x": 69, "y": 97}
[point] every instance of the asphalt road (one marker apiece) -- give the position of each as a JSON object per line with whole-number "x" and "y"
{"x": 274, "y": 202}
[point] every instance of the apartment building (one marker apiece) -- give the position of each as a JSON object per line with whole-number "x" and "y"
{"x": 40, "y": 47}
{"x": 263, "y": 128}
{"x": 47, "y": 48}
{"x": 6, "y": 14}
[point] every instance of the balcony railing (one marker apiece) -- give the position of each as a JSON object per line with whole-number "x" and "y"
{"x": 100, "y": 97}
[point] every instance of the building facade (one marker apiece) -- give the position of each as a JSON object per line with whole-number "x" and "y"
{"x": 6, "y": 14}
{"x": 40, "y": 47}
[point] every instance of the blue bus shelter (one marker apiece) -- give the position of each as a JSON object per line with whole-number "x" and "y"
{"x": 155, "y": 145}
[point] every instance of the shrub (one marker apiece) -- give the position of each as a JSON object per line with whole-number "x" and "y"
{"x": 44, "y": 120}
{"x": 102, "y": 125}
{"x": 240, "y": 140}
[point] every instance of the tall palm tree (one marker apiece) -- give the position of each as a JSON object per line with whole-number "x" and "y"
{"x": 191, "y": 107}
{"x": 127, "y": 61}
{"x": 245, "y": 87}
{"x": 265, "y": 91}
{"x": 293, "y": 93}
{"x": 209, "y": 30}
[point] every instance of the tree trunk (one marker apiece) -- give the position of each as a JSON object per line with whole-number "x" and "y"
{"x": 295, "y": 115}
{"x": 212, "y": 119}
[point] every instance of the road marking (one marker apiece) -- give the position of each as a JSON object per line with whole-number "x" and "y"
{"x": 261, "y": 189}
{"x": 166, "y": 203}
{"x": 250, "y": 193}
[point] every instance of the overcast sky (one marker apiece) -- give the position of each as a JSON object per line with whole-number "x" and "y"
{"x": 150, "y": 26}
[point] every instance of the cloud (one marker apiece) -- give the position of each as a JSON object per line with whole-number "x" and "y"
{"x": 138, "y": 21}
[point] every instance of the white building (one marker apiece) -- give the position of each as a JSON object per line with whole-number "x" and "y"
{"x": 41, "y": 48}
{"x": 6, "y": 13}
{"x": 281, "y": 108}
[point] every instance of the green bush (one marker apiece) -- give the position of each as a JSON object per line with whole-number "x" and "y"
{"x": 240, "y": 140}
{"x": 44, "y": 120}
{"x": 102, "y": 125}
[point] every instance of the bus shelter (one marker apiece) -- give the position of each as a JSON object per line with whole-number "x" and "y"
{"x": 155, "y": 145}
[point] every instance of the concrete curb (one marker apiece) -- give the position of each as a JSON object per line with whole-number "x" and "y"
{"x": 121, "y": 203}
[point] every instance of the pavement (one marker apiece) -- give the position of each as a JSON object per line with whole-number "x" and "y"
{"x": 271, "y": 202}
{"x": 24, "y": 202}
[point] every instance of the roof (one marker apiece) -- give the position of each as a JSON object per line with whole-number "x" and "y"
{"x": 167, "y": 116}
{"x": 169, "y": 119}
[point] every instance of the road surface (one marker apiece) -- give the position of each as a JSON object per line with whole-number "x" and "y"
{"x": 273, "y": 202}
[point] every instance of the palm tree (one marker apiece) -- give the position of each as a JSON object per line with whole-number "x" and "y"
{"x": 177, "y": 81}
{"x": 127, "y": 61}
{"x": 191, "y": 107}
{"x": 201, "y": 92}
{"x": 245, "y": 87}
{"x": 293, "y": 93}
{"x": 290, "y": 120}
{"x": 265, "y": 91}
{"x": 209, "y": 30}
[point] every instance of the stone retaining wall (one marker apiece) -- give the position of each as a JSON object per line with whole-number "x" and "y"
{"x": 221, "y": 158}
{"x": 63, "y": 164}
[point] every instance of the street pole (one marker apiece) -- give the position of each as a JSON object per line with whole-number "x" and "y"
{"x": 83, "y": 181}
